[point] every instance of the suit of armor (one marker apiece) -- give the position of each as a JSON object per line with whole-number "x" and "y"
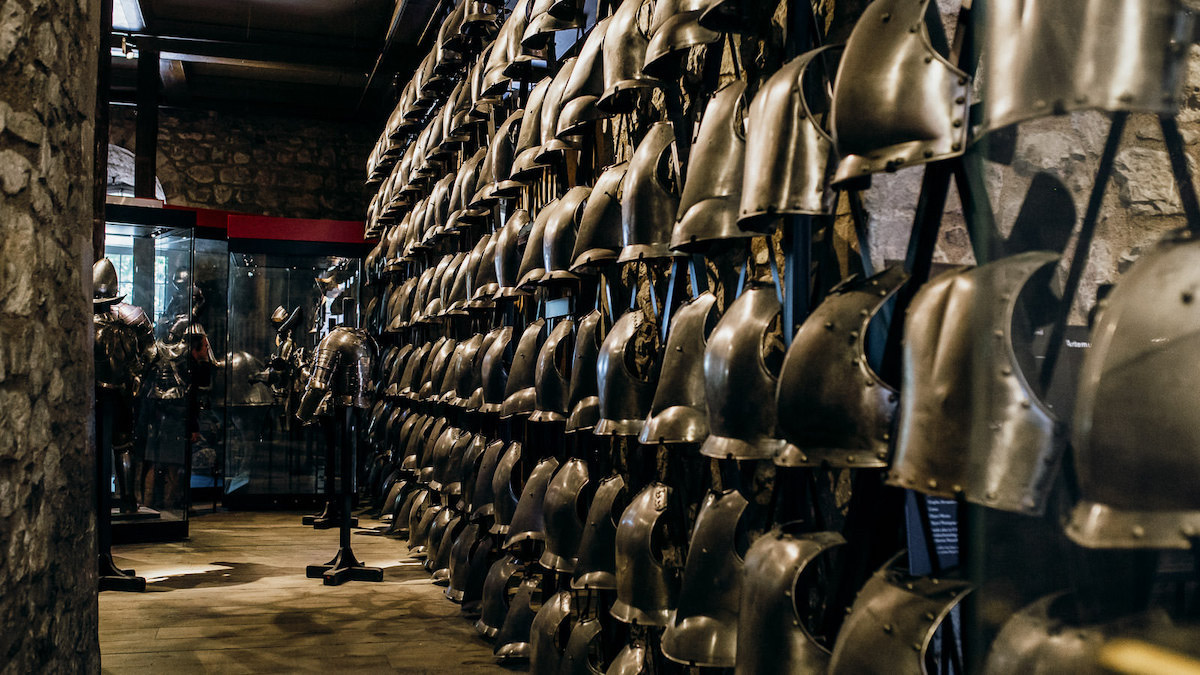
{"x": 340, "y": 373}
{"x": 124, "y": 350}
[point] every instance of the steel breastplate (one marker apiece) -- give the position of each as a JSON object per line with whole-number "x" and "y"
{"x": 897, "y": 102}
{"x": 551, "y": 372}
{"x": 440, "y": 455}
{"x": 834, "y": 409}
{"x": 646, "y": 588}
{"x": 550, "y": 152}
{"x": 398, "y": 319}
{"x": 436, "y": 370}
{"x": 596, "y": 567}
{"x": 456, "y": 298}
{"x": 445, "y": 550}
{"x": 437, "y": 535}
{"x": 703, "y": 631}
{"x": 444, "y": 391}
{"x": 787, "y": 151}
{"x": 547, "y": 635}
{"x": 418, "y": 541}
{"x": 585, "y": 86}
{"x": 117, "y": 354}
{"x": 634, "y": 659}
{"x": 484, "y": 284}
{"x": 484, "y": 498}
{"x": 479, "y": 561}
{"x": 474, "y": 400}
{"x": 521, "y": 387}
{"x": 512, "y": 642}
{"x": 503, "y": 574}
{"x": 970, "y": 423}
{"x": 1135, "y": 435}
{"x": 892, "y": 622}
{"x": 425, "y": 441}
{"x": 466, "y": 375}
{"x": 501, "y": 152}
{"x": 625, "y": 397}
{"x": 651, "y": 197}
{"x": 676, "y": 28}
{"x": 708, "y": 208}
{"x": 528, "y": 522}
{"x": 583, "y": 397}
{"x": 599, "y": 237}
{"x": 412, "y": 370}
{"x": 679, "y": 412}
{"x": 585, "y": 643}
{"x": 471, "y": 461}
{"x": 624, "y": 50}
{"x": 559, "y": 241}
{"x": 503, "y": 493}
{"x": 460, "y": 562}
{"x": 416, "y": 511}
{"x": 739, "y": 388}
{"x": 532, "y": 270}
{"x": 452, "y": 482}
{"x": 540, "y": 31}
{"x": 508, "y": 258}
{"x": 494, "y": 370}
{"x": 525, "y": 165}
{"x": 563, "y": 521}
{"x": 771, "y": 637}
{"x": 1052, "y": 58}
{"x": 392, "y": 388}
{"x": 1044, "y": 638}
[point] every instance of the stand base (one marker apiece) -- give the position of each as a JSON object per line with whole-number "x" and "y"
{"x": 142, "y": 513}
{"x": 327, "y": 519}
{"x": 112, "y": 578}
{"x": 344, "y": 567}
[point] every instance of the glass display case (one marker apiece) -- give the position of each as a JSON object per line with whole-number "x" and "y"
{"x": 153, "y": 264}
{"x": 211, "y": 279}
{"x": 280, "y": 307}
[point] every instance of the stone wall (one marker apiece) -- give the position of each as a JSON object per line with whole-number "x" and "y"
{"x": 47, "y": 522}
{"x": 276, "y": 166}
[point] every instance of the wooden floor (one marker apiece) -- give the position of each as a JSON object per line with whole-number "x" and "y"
{"x": 234, "y": 599}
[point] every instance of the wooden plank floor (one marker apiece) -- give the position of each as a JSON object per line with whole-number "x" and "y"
{"x": 234, "y": 599}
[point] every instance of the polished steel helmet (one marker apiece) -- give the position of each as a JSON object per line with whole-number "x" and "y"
{"x": 739, "y": 382}
{"x": 651, "y": 198}
{"x": 897, "y": 101}
{"x": 970, "y": 422}
{"x": 893, "y": 621}
{"x": 1051, "y": 58}
{"x": 703, "y": 632}
{"x": 708, "y": 208}
{"x": 787, "y": 150}
{"x": 647, "y": 589}
{"x": 834, "y": 408}
{"x": 626, "y": 382}
{"x": 1137, "y": 458}
{"x": 105, "y": 289}
{"x": 599, "y": 239}
{"x": 679, "y": 412}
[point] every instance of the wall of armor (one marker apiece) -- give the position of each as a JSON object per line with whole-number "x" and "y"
{"x": 657, "y": 392}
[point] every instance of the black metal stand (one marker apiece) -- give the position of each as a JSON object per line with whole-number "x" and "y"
{"x": 344, "y": 566}
{"x": 112, "y": 578}
{"x": 330, "y": 516}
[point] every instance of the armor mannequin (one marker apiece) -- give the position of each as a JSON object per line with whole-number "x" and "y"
{"x": 124, "y": 351}
{"x": 284, "y": 364}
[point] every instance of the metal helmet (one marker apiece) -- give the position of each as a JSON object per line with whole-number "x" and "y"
{"x": 626, "y": 383}
{"x": 708, "y": 208}
{"x": 897, "y": 101}
{"x": 651, "y": 198}
{"x": 1004, "y": 451}
{"x": 679, "y": 412}
{"x": 105, "y": 288}
{"x": 703, "y": 632}
{"x": 647, "y": 589}
{"x": 1134, "y": 434}
{"x": 739, "y": 383}
{"x": 892, "y": 622}
{"x": 833, "y": 407}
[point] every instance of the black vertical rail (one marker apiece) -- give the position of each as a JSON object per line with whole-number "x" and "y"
{"x": 146, "y": 143}
{"x": 1179, "y": 168}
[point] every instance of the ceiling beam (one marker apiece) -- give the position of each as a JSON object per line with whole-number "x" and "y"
{"x": 174, "y": 79}
{"x": 331, "y": 56}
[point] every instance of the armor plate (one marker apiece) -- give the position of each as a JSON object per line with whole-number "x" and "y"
{"x": 708, "y": 208}
{"x": 625, "y": 396}
{"x": 531, "y": 270}
{"x": 558, "y": 242}
{"x": 892, "y": 623}
{"x": 585, "y": 86}
{"x": 624, "y": 49}
{"x": 646, "y": 588}
{"x": 552, "y": 147}
{"x": 651, "y": 198}
{"x": 739, "y": 387}
{"x": 521, "y": 387}
{"x": 563, "y": 516}
{"x": 1135, "y": 437}
{"x": 676, "y": 28}
{"x": 897, "y": 102}
{"x": 525, "y": 165}
{"x": 596, "y": 567}
{"x": 599, "y": 237}
{"x": 508, "y": 257}
{"x": 504, "y": 574}
{"x": 679, "y": 412}
{"x": 550, "y": 388}
{"x": 340, "y": 372}
{"x": 583, "y": 398}
{"x": 771, "y": 637}
{"x": 586, "y": 641}
{"x": 969, "y": 421}
{"x": 547, "y": 634}
{"x": 460, "y": 562}
{"x": 529, "y": 518}
{"x": 703, "y": 631}
{"x": 501, "y": 151}
{"x": 484, "y": 284}
{"x": 833, "y": 407}
{"x": 483, "y": 497}
{"x": 1050, "y": 58}
{"x": 634, "y": 659}
{"x": 787, "y": 151}
{"x": 512, "y": 642}
{"x": 496, "y": 362}
{"x": 503, "y": 491}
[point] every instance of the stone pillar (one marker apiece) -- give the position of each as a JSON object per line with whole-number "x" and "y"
{"x": 48, "y": 603}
